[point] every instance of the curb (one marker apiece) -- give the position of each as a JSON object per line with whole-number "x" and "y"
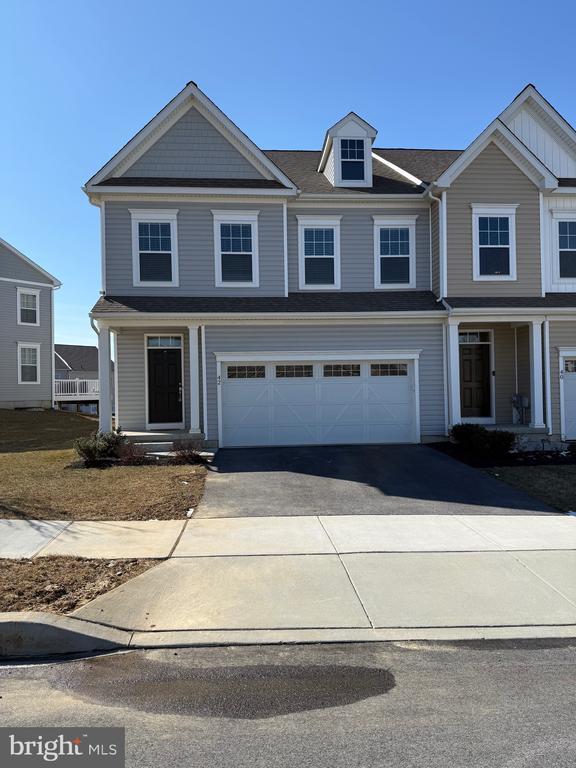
{"x": 34, "y": 633}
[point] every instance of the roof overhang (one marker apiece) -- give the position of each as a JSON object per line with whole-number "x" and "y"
{"x": 53, "y": 280}
{"x": 531, "y": 94}
{"x": 183, "y": 318}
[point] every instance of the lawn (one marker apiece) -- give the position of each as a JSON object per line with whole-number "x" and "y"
{"x": 554, "y": 485}
{"x": 38, "y": 478}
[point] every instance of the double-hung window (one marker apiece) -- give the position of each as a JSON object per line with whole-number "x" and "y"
{"x": 28, "y": 363}
{"x": 352, "y": 166}
{"x": 494, "y": 242}
{"x": 28, "y": 306}
{"x": 319, "y": 252}
{"x": 395, "y": 252}
{"x": 154, "y": 247}
{"x": 236, "y": 249}
{"x": 567, "y": 249}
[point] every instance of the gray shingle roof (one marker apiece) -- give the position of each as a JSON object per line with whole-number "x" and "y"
{"x": 78, "y": 357}
{"x": 426, "y": 164}
{"x": 551, "y": 301}
{"x": 375, "y": 301}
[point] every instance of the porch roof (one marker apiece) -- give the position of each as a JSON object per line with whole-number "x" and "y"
{"x": 550, "y": 301}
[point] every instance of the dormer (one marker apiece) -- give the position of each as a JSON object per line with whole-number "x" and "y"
{"x": 347, "y": 152}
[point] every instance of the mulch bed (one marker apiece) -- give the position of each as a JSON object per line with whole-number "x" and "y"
{"x": 516, "y": 459}
{"x": 62, "y": 584}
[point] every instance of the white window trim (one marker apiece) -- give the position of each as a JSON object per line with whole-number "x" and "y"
{"x": 405, "y": 222}
{"x": 338, "y": 180}
{"x": 29, "y": 345}
{"x": 32, "y": 292}
{"x": 154, "y": 216}
{"x": 318, "y": 222}
{"x": 557, "y": 217}
{"x": 236, "y": 217}
{"x": 478, "y": 210}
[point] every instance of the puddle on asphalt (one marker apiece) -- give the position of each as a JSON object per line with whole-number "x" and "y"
{"x": 243, "y": 692}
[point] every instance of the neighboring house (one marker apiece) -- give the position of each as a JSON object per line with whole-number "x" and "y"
{"x": 350, "y": 294}
{"x": 26, "y": 331}
{"x": 76, "y": 370}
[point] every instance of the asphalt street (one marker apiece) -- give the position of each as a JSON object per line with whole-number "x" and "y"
{"x": 507, "y": 704}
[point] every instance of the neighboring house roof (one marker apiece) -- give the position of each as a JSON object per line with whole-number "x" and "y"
{"x": 301, "y": 165}
{"x": 51, "y": 279}
{"x": 550, "y": 301}
{"x": 374, "y": 301}
{"x": 75, "y": 357}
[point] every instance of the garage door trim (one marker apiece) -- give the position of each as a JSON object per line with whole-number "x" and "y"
{"x": 563, "y": 354}
{"x": 401, "y": 355}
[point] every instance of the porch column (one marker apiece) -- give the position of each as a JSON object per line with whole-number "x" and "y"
{"x": 194, "y": 380}
{"x": 536, "y": 371}
{"x": 453, "y": 372}
{"x": 105, "y": 401}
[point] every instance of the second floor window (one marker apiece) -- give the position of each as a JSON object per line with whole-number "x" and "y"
{"x": 394, "y": 252}
{"x": 236, "y": 248}
{"x": 154, "y": 248}
{"x": 28, "y": 306}
{"x": 319, "y": 252}
{"x": 494, "y": 242}
{"x": 352, "y": 159}
{"x": 567, "y": 250}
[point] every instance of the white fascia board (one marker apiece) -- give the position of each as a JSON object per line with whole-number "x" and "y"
{"x": 194, "y": 94}
{"x": 367, "y": 354}
{"x": 480, "y": 143}
{"x": 400, "y": 171}
{"x": 351, "y": 198}
{"x": 91, "y": 189}
{"x": 531, "y": 93}
{"x": 148, "y": 318}
{"x": 504, "y": 314}
{"x": 54, "y": 282}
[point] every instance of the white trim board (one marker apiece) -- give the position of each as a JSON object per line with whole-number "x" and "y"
{"x": 563, "y": 353}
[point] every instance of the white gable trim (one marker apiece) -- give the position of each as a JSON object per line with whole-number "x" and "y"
{"x": 189, "y": 96}
{"x": 530, "y": 93}
{"x": 498, "y": 133}
{"x": 53, "y": 280}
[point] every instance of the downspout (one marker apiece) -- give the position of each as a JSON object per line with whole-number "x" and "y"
{"x": 53, "y": 362}
{"x": 94, "y": 327}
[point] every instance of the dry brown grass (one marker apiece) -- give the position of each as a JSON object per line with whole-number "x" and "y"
{"x": 62, "y": 584}
{"x": 554, "y": 485}
{"x": 38, "y": 479}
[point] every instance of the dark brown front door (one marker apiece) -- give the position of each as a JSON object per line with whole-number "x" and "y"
{"x": 164, "y": 386}
{"x": 475, "y": 380}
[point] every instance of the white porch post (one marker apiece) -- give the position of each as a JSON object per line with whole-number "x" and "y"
{"x": 194, "y": 380}
{"x": 453, "y": 372}
{"x": 105, "y": 403}
{"x": 536, "y": 371}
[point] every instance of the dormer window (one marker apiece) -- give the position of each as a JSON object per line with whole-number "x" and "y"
{"x": 352, "y": 159}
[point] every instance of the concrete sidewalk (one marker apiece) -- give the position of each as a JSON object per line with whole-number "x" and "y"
{"x": 292, "y": 535}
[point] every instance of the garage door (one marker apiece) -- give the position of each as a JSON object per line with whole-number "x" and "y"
{"x": 317, "y": 403}
{"x": 569, "y": 405}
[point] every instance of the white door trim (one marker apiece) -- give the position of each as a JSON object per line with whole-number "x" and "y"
{"x": 480, "y": 419}
{"x": 153, "y": 426}
{"x": 563, "y": 353}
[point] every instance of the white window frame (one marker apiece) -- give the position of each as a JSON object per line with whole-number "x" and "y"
{"x": 501, "y": 211}
{"x": 154, "y": 216}
{"x": 31, "y": 292}
{"x": 318, "y": 222}
{"x": 29, "y": 345}
{"x": 395, "y": 222}
{"x": 153, "y": 425}
{"x": 557, "y": 217}
{"x": 338, "y": 180}
{"x": 236, "y": 217}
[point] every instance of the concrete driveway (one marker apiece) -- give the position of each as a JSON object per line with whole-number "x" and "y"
{"x": 344, "y": 480}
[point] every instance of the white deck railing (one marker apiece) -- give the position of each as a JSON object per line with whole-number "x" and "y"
{"x": 85, "y": 389}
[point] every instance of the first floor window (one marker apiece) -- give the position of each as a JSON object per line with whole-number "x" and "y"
{"x": 154, "y": 247}
{"x": 28, "y": 309}
{"x": 567, "y": 249}
{"x": 319, "y": 252}
{"x": 494, "y": 243}
{"x": 394, "y": 252}
{"x": 236, "y": 248}
{"x": 29, "y": 363}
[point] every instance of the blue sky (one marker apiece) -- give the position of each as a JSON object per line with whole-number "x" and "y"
{"x": 78, "y": 79}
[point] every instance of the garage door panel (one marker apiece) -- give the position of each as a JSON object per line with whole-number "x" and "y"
{"x": 319, "y": 409}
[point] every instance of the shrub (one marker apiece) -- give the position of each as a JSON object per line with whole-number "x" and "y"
{"x": 188, "y": 451}
{"x": 477, "y": 439}
{"x": 100, "y": 446}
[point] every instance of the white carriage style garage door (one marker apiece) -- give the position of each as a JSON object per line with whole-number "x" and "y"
{"x": 568, "y": 394}
{"x": 318, "y": 402}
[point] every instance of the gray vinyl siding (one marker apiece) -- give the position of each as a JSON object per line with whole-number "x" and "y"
{"x": 131, "y": 354}
{"x": 435, "y": 246}
{"x": 493, "y": 178}
{"x": 13, "y": 394}
{"x": 318, "y": 338}
{"x": 15, "y": 268}
{"x": 193, "y": 148}
{"x": 195, "y": 249}
{"x": 562, "y": 334}
{"x": 357, "y": 245}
